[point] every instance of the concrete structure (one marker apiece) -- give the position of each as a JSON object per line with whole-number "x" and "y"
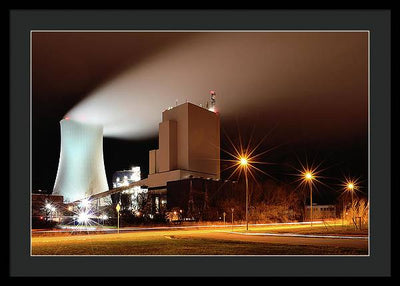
{"x": 189, "y": 147}
{"x": 81, "y": 171}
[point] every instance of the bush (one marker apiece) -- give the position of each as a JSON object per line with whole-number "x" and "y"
{"x": 38, "y": 222}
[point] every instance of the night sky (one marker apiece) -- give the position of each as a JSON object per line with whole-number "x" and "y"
{"x": 308, "y": 92}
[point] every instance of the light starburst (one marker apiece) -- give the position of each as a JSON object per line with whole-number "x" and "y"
{"x": 246, "y": 157}
{"x": 350, "y": 185}
{"x": 309, "y": 175}
{"x": 85, "y": 214}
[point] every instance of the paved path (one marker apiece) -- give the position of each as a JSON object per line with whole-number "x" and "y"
{"x": 291, "y": 240}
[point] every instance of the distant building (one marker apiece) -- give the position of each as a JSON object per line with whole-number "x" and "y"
{"x": 189, "y": 147}
{"x": 321, "y": 211}
{"x": 124, "y": 178}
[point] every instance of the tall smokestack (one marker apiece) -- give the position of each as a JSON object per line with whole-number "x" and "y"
{"x": 213, "y": 96}
{"x": 81, "y": 171}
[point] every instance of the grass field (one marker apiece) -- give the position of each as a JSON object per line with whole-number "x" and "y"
{"x": 184, "y": 246}
{"x": 195, "y": 242}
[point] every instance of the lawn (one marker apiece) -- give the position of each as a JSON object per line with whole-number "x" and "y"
{"x": 134, "y": 244}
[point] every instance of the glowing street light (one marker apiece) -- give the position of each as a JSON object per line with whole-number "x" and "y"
{"x": 50, "y": 209}
{"x": 245, "y": 158}
{"x": 309, "y": 174}
{"x": 118, "y": 207}
{"x": 308, "y": 177}
{"x": 104, "y": 217}
{"x": 83, "y": 217}
{"x": 244, "y": 163}
{"x": 350, "y": 186}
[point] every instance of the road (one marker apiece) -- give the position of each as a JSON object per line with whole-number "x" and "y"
{"x": 333, "y": 242}
{"x": 88, "y": 230}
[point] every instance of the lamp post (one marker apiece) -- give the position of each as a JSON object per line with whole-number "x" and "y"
{"x": 50, "y": 210}
{"x": 244, "y": 163}
{"x": 343, "y": 212}
{"x": 308, "y": 177}
{"x": 232, "y": 209}
{"x": 118, "y": 207}
{"x": 224, "y": 214}
{"x": 350, "y": 188}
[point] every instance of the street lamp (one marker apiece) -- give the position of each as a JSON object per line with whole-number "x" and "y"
{"x": 232, "y": 209}
{"x": 245, "y": 159}
{"x": 244, "y": 165}
{"x": 104, "y": 217}
{"x": 50, "y": 209}
{"x": 308, "y": 177}
{"x": 118, "y": 207}
{"x": 350, "y": 187}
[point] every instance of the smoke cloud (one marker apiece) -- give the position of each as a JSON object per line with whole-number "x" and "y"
{"x": 291, "y": 78}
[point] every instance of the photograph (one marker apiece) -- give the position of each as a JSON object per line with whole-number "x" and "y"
{"x": 200, "y": 142}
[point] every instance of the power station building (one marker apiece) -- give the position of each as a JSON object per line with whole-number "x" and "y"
{"x": 189, "y": 147}
{"x": 184, "y": 172}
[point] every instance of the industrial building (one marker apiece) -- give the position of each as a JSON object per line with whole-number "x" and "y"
{"x": 184, "y": 172}
{"x": 125, "y": 178}
{"x": 189, "y": 147}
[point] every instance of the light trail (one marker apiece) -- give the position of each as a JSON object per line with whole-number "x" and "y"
{"x": 127, "y": 229}
{"x": 300, "y": 235}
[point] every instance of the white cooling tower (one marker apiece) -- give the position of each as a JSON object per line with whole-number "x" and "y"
{"x": 81, "y": 171}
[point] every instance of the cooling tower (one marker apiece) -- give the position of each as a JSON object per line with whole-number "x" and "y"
{"x": 81, "y": 171}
